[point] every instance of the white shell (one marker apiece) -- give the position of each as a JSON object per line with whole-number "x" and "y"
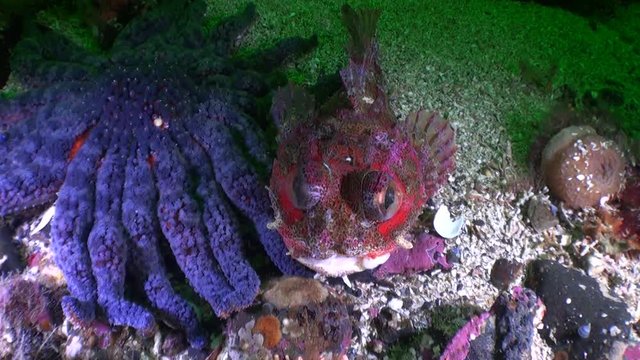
{"x": 446, "y": 226}
{"x": 44, "y": 221}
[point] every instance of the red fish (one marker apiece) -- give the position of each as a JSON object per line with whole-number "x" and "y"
{"x": 349, "y": 180}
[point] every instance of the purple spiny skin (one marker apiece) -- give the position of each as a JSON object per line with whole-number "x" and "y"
{"x": 427, "y": 252}
{"x": 138, "y": 146}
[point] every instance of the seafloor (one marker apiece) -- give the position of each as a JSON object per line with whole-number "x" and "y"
{"x": 496, "y": 69}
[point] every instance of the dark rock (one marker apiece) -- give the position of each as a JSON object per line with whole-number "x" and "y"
{"x": 572, "y": 300}
{"x": 478, "y": 222}
{"x": 10, "y": 260}
{"x": 504, "y": 272}
{"x": 541, "y": 214}
{"x": 454, "y": 255}
{"x": 173, "y": 344}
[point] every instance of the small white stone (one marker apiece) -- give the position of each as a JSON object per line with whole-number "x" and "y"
{"x": 73, "y": 348}
{"x": 395, "y": 304}
{"x": 614, "y": 331}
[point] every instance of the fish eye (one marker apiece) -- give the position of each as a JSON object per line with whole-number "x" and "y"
{"x": 380, "y": 198}
{"x": 305, "y": 195}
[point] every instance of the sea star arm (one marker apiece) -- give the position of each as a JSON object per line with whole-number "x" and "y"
{"x": 239, "y": 181}
{"x": 221, "y": 225}
{"x": 71, "y": 226}
{"x": 138, "y": 204}
{"x": 182, "y": 225}
{"x": 37, "y": 148}
{"x": 47, "y": 58}
{"x": 107, "y": 243}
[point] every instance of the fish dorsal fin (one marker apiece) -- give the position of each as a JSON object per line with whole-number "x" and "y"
{"x": 362, "y": 78}
{"x": 291, "y": 106}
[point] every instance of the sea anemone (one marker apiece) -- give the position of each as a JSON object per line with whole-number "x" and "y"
{"x": 581, "y": 167}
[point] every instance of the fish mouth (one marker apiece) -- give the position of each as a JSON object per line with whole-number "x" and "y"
{"x": 340, "y": 265}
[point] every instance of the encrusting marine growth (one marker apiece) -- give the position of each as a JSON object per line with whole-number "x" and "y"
{"x": 139, "y": 145}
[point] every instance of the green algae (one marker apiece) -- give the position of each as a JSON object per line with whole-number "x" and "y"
{"x": 487, "y": 40}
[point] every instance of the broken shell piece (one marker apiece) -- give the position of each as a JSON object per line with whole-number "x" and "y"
{"x": 445, "y": 226}
{"x": 44, "y": 221}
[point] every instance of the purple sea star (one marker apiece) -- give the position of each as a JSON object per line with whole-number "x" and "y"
{"x": 140, "y": 145}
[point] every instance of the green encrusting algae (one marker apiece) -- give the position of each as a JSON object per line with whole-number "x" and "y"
{"x": 461, "y": 40}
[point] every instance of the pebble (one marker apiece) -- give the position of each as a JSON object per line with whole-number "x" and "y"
{"x": 10, "y": 260}
{"x": 541, "y": 215}
{"x": 504, "y": 272}
{"x": 454, "y": 255}
{"x": 395, "y": 304}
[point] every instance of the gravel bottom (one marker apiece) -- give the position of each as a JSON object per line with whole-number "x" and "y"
{"x": 487, "y": 188}
{"x": 491, "y": 192}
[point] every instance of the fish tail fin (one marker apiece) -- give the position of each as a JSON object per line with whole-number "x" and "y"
{"x": 362, "y": 78}
{"x": 434, "y": 138}
{"x": 361, "y": 25}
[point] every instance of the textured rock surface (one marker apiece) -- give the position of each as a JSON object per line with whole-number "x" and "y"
{"x": 320, "y": 328}
{"x": 574, "y": 300}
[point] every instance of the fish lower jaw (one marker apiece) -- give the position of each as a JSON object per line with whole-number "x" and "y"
{"x": 340, "y": 265}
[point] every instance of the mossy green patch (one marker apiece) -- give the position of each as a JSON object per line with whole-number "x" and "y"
{"x": 489, "y": 39}
{"x": 445, "y": 322}
{"x": 480, "y": 39}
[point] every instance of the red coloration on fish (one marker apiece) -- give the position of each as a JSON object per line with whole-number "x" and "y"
{"x": 349, "y": 180}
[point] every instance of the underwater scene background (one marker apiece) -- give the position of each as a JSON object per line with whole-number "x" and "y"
{"x": 531, "y": 262}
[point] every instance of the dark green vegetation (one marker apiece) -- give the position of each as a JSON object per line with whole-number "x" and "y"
{"x": 462, "y": 40}
{"x": 446, "y": 320}
{"x": 485, "y": 39}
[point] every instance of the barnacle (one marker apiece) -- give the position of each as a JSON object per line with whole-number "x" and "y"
{"x": 581, "y": 167}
